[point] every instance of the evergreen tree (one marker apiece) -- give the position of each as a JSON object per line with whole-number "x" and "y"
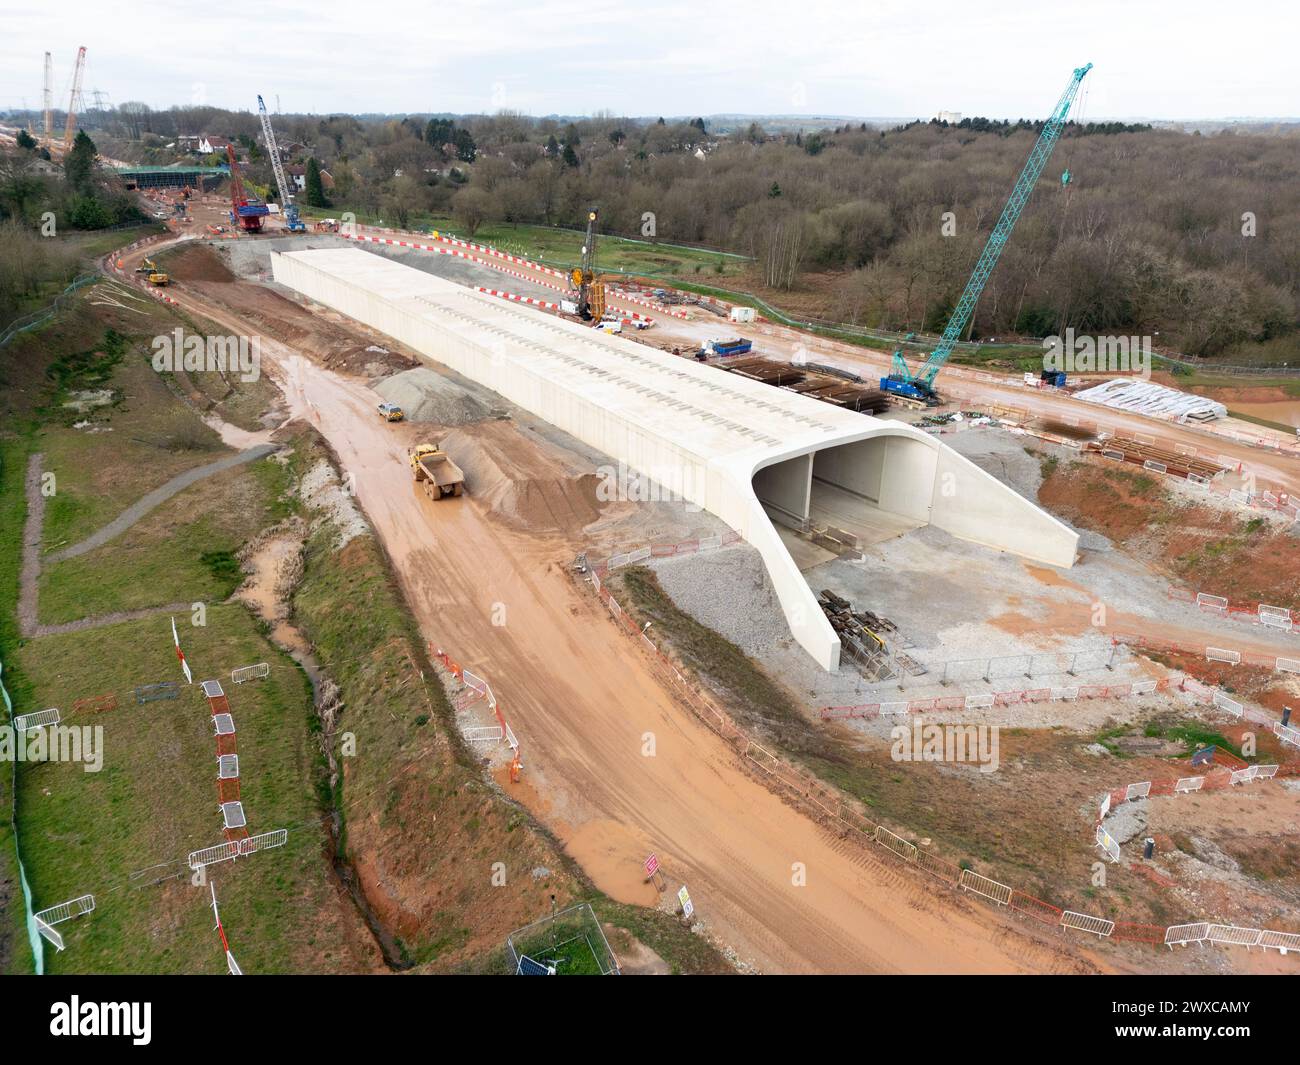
{"x": 79, "y": 165}
{"x": 314, "y": 194}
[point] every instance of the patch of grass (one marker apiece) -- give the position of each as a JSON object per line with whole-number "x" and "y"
{"x": 686, "y": 953}
{"x": 183, "y": 551}
{"x": 155, "y": 799}
{"x": 223, "y": 565}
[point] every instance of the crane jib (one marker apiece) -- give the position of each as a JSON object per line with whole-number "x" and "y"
{"x": 1020, "y": 193}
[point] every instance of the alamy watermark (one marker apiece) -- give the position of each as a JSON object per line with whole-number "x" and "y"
{"x": 622, "y": 484}
{"x": 1073, "y": 354}
{"x": 55, "y": 743}
{"x": 174, "y": 351}
{"x": 974, "y": 744}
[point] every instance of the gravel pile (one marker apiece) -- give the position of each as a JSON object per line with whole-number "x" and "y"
{"x": 427, "y": 396}
{"x": 727, "y": 590}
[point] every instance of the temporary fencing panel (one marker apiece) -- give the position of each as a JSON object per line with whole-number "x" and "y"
{"x": 1283, "y": 941}
{"x": 1189, "y": 784}
{"x": 49, "y": 933}
{"x": 945, "y": 871}
{"x": 66, "y": 911}
{"x": 982, "y": 885}
{"x": 1232, "y": 935}
{"x": 1223, "y": 654}
{"x": 38, "y": 719}
{"x": 149, "y": 693}
{"x": 897, "y": 844}
{"x": 254, "y": 672}
{"x": 1184, "y": 934}
{"x": 1096, "y": 925}
{"x": 1137, "y": 791}
{"x": 1108, "y": 844}
{"x": 1036, "y": 908}
{"x": 1224, "y": 703}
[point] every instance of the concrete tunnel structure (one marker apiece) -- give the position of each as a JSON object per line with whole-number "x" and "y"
{"x": 746, "y": 452}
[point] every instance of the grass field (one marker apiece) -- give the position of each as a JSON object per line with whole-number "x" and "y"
{"x": 151, "y": 565}
{"x": 563, "y": 247}
{"x": 155, "y": 800}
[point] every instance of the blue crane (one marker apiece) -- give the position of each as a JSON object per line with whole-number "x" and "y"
{"x": 920, "y": 386}
{"x": 291, "y": 220}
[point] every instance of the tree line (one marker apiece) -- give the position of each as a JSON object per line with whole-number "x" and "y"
{"x": 1195, "y": 238}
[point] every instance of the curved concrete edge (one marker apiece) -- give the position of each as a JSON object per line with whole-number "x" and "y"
{"x": 946, "y": 490}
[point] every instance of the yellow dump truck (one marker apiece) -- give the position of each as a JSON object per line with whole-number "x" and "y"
{"x": 434, "y": 469}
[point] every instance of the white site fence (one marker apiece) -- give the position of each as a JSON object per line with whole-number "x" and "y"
{"x": 225, "y": 852}
{"x": 64, "y": 911}
{"x": 244, "y": 673}
{"x": 1231, "y": 935}
{"x": 35, "y": 720}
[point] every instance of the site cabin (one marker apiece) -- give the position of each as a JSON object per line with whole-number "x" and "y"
{"x": 741, "y": 314}
{"x": 434, "y": 469}
{"x": 391, "y": 412}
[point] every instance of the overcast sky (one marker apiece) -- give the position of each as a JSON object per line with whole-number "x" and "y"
{"x": 998, "y": 58}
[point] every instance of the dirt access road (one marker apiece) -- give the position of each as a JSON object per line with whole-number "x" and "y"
{"x": 582, "y": 700}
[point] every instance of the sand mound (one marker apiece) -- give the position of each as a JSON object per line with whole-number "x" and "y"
{"x": 426, "y": 396}
{"x": 538, "y": 492}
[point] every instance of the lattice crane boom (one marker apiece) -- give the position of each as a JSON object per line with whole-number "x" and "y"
{"x": 70, "y": 128}
{"x": 291, "y": 218}
{"x": 921, "y": 384}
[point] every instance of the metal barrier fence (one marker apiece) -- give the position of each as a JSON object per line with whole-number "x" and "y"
{"x": 37, "y": 318}
{"x": 232, "y": 849}
{"x": 247, "y": 673}
{"x": 150, "y": 693}
{"x": 1004, "y": 698}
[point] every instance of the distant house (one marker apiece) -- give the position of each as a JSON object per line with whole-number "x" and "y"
{"x": 298, "y": 175}
{"x": 326, "y": 180}
{"x": 210, "y": 145}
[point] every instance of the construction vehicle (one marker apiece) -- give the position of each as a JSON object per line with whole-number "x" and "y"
{"x": 434, "y": 469}
{"x": 720, "y": 348}
{"x": 245, "y": 211}
{"x": 919, "y": 386}
{"x": 589, "y": 298}
{"x": 154, "y": 275}
{"x": 292, "y": 222}
{"x": 391, "y": 412}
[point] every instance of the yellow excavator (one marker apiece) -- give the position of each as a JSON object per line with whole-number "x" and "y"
{"x": 155, "y": 276}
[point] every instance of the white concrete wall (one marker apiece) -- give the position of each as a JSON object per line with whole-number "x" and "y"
{"x": 974, "y": 505}
{"x": 786, "y": 485}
